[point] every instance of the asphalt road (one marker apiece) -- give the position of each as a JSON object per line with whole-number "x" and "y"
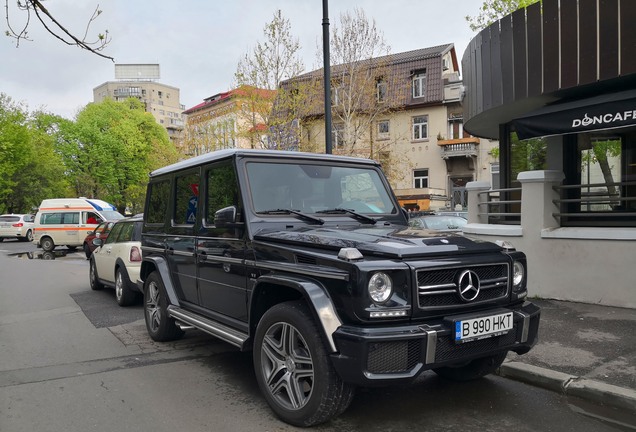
{"x": 72, "y": 360}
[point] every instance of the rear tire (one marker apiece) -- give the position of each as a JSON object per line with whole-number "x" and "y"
{"x": 124, "y": 295}
{"x": 160, "y": 326}
{"x": 94, "y": 277}
{"x": 475, "y": 369}
{"x": 47, "y": 244}
{"x": 293, "y": 368}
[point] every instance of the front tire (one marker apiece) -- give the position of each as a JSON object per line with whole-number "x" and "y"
{"x": 124, "y": 295}
{"x": 28, "y": 237}
{"x": 293, "y": 368}
{"x": 47, "y": 244}
{"x": 94, "y": 277}
{"x": 475, "y": 369}
{"x": 160, "y": 326}
{"x": 87, "y": 251}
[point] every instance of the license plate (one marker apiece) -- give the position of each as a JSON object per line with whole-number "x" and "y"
{"x": 483, "y": 327}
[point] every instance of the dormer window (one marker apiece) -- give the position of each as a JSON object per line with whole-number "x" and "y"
{"x": 419, "y": 84}
{"x": 381, "y": 90}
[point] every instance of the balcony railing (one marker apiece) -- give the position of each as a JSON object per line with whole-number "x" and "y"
{"x": 500, "y": 206}
{"x": 600, "y": 205}
{"x": 596, "y": 204}
{"x": 461, "y": 147}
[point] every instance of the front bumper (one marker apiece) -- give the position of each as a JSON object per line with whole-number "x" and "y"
{"x": 389, "y": 355}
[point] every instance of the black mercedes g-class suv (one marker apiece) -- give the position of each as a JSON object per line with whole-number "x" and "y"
{"x": 308, "y": 261}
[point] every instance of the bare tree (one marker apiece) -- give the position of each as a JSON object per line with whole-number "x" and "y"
{"x": 35, "y": 9}
{"x": 364, "y": 88}
{"x": 275, "y": 59}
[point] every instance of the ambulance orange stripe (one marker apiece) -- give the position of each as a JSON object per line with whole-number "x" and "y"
{"x": 67, "y": 208}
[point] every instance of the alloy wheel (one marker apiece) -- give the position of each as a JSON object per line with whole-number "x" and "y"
{"x": 287, "y": 366}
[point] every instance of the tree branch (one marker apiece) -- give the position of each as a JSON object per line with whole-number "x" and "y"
{"x": 58, "y": 30}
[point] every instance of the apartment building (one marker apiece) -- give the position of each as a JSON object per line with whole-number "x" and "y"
{"x": 233, "y": 119}
{"x": 139, "y": 81}
{"x": 411, "y": 121}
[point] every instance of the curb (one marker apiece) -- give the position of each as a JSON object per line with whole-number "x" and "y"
{"x": 606, "y": 394}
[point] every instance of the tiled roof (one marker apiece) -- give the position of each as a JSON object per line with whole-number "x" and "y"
{"x": 240, "y": 91}
{"x": 390, "y": 60}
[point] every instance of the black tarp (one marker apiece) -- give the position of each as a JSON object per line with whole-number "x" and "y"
{"x": 608, "y": 111}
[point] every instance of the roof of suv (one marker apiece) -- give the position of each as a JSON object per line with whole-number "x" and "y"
{"x": 278, "y": 154}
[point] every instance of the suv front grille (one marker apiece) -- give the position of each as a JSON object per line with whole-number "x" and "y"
{"x": 438, "y": 288}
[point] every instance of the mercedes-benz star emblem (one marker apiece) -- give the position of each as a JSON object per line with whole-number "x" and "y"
{"x": 468, "y": 285}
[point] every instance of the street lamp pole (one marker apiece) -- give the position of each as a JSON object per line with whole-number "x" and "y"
{"x": 327, "y": 74}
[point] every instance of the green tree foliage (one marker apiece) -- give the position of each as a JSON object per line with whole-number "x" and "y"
{"x": 30, "y": 167}
{"x": 111, "y": 148}
{"x": 493, "y": 10}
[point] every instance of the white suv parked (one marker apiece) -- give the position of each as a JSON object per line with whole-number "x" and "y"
{"x": 18, "y": 226}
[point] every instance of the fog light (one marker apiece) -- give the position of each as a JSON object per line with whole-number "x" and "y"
{"x": 388, "y": 314}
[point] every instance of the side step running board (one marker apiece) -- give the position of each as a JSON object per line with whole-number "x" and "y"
{"x": 207, "y": 325}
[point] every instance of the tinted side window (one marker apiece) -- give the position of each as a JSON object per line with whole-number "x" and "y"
{"x": 114, "y": 233}
{"x": 28, "y": 218}
{"x": 59, "y": 218}
{"x": 187, "y": 199}
{"x": 157, "y": 207}
{"x": 126, "y": 233}
{"x": 72, "y": 218}
{"x": 222, "y": 190}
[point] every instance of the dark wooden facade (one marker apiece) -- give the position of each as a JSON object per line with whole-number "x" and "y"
{"x": 552, "y": 51}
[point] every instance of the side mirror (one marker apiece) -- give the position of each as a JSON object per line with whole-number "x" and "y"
{"x": 226, "y": 217}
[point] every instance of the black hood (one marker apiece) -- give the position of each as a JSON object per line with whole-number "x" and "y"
{"x": 387, "y": 241}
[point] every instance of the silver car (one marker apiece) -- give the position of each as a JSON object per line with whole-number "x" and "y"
{"x": 18, "y": 226}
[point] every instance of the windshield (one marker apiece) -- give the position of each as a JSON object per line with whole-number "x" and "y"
{"x": 313, "y": 188}
{"x": 112, "y": 215}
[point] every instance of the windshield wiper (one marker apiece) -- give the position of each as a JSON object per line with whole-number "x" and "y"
{"x": 294, "y": 212}
{"x": 359, "y": 216}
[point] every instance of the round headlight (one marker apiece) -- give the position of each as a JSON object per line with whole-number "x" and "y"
{"x": 519, "y": 272}
{"x": 380, "y": 287}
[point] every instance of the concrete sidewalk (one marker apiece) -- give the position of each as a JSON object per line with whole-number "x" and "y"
{"x": 587, "y": 351}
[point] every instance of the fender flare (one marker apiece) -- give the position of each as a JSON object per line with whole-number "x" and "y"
{"x": 317, "y": 297}
{"x": 162, "y": 267}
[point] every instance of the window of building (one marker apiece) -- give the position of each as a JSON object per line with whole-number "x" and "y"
{"x": 338, "y": 135}
{"x": 160, "y": 94}
{"x": 383, "y": 129}
{"x": 494, "y": 175}
{"x": 420, "y": 127}
{"x": 381, "y": 90}
{"x": 334, "y": 96}
{"x": 455, "y": 126}
{"x": 419, "y": 85}
{"x": 384, "y": 158}
{"x": 420, "y": 178}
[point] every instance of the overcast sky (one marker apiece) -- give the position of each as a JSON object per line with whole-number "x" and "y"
{"x": 197, "y": 43}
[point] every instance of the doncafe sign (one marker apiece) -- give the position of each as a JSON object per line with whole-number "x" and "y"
{"x": 576, "y": 117}
{"x": 603, "y": 119}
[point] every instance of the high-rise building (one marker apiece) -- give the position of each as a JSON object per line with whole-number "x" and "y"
{"x": 140, "y": 81}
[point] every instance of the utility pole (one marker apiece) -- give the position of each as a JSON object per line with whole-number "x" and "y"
{"x": 327, "y": 73}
